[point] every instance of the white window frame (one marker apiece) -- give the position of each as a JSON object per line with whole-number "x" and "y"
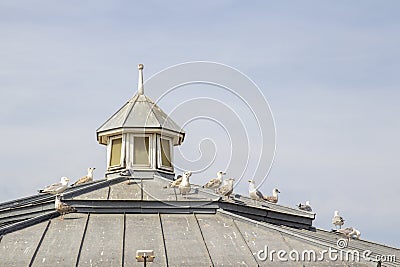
{"x": 159, "y": 155}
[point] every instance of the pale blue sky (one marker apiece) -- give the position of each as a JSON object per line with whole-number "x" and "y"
{"x": 329, "y": 69}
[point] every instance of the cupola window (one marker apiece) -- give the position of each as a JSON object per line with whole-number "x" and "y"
{"x": 141, "y": 151}
{"x": 165, "y": 153}
{"x": 116, "y": 149}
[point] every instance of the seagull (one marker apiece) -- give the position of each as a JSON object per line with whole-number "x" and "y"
{"x": 274, "y": 197}
{"x": 216, "y": 182}
{"x": 349, "y": 232}
{"x": 85, "y": 179}
{"x": 227, "y": 189}
{"x": 184, "y": 186}
{"x": 62, "y": 208}
{"x": 306, "y": 207}
{"x": 175, "y": 183}
{"x": 254, "y": 193}
{"x": 337, "y": 220}
{"x": 56, "y": 188}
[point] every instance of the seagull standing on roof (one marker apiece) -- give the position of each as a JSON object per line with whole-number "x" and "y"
{"x": 227, "y": 189}
{"x": 85, "y": 179}
{"x": 274, "y": 197}
{"x": 254, "y": 193}
{"x": 56, "y": 188}
{"x": 349, "y": 232}
{"x": 184, "y": 186}
{"x": 337, "y": 220}
{"x": 306, "y": 207}
{"x": 175, "y": 183}
{"x": 216, "y": 182}
{"x": 62, "y": 208}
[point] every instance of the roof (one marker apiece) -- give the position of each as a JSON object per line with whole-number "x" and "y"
{"x": 116, "y": 217}
{"x": 140, "y": 112}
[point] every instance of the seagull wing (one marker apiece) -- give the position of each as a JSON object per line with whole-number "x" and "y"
{"x": 82, "y": 180}
{"x": 52, "y": 187}
{"x": 337, "y": 220}
{"x": 65, "y": 208}
{"x": 271, "y": 199}
{"x": 213, "y": 183}
{"x": 259, "y": 194}
{"x": 225, "y": 190}
{"x": 176, "y": 183}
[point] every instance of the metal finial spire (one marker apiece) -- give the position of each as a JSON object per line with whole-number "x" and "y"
{"x": 140, "y": 81}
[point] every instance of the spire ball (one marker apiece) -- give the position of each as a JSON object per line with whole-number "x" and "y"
{"x": 140, "y": 66}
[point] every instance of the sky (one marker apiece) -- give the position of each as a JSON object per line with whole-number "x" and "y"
{"x": 329, "y": 71}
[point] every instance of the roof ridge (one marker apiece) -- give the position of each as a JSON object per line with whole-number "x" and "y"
{"x": 133, "y": 102}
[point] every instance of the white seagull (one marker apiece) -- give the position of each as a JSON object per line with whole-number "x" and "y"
{"x": 56, "y": 188}
{"x": 216, "y": 182}
{"x": 274, "y": 197}
{"x": 62, "y": 208}
{"x": 306, "y": 207}
{"x": 337, "y": 220}
{"x": 85, "y": 179}
{"x": 184, "y": 186}
{"x": 349, "y": 232}
{"x": 254, "y": 193}
{"x": 227, "y": 189}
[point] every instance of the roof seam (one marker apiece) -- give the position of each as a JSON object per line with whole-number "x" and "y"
{"x": 204, "y": 241}
{"x": 244, "y": 240}
{"x": 82, "y": 240}
{"x": 163, "y": 239}
{"x": 275, "y": 227}
{"x": 130, "y": 109}
{"x": 40, "y": 243}
{"x": 123, "y": 241}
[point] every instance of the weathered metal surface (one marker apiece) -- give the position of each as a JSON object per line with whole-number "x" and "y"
{"x": 103, "y": 243}
{"x": 271, "y": 216}
{"x": 60, "y": 245}
{"x": 184, "y": 242}
{"x": 213, "y": 239}
{"x": 127, "y": 190}
{"x": 139, "y": 112}
{"x": 28, "y": 222}
{"x": 143, "y": 232}
{"x": 101, "y": 193}
{"x": 18, "y": 248}
{"x": 154, "y": 190}
{"x": 225, "y": 243}
{"x": 136, "y": 206}
{"x": 214, "y": 236}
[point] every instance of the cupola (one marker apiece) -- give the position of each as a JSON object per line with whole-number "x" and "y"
{"x": 140, "y": 137}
